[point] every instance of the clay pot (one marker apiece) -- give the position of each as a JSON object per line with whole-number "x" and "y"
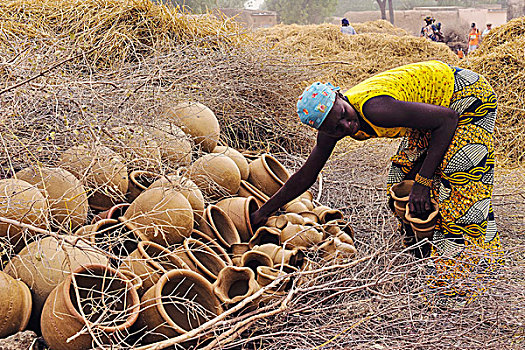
{"x": 299, "y": 236}
{"x": 289, "y": 219}
{"x": 234, "y": 284}
{"x": 23, "y": 202}
{"x": 237, "y": 157}
{"x": 308, "y": 203}
{"x": 253, "y": 259}
{"x": 326, "y": 214}
{"x": 187, "y": 188}
{"x": 423, "y": 228}
{"x": 216, "y": 175}
{"x": 268, "y": 174}
{"x": 180, "y": 301}
{"x": 310, "y": 216}
{"x": 101, "y": 170}
{"x": 45, "y": 263}
{"x": 400, "y": 194}
{"x": 114, "y": 236}
{"x": 107, "y": 298}
{"x": 114, "y": 213}
{"x": 219, "y": 226}
{"x": 335, "y": 249}
{"x": 150, "y": 261}
{"x": 265, "y": 235}
{"x": 335, "y": 227}
{"x": 15, "y": 305}
{"x": 279, "y": 255}
{"x": 296, "y": 207}
{"x": 174, "y": 145}
{"x": 202, "y": 259}
{"x": 271, "y": 222}
{"x": 66, "y": 196}
{"x": 239, "y": 210}
{"x": 139, "y": 181}
{"x": 163, "y": 216}
{"x": 266, "y": 275}
{"x": 137, "y": 146}
{"x": 213, "y": 245}
{"x": 238, "y": 249}
{"x": 197, "y": 120}
{"x": 246, "y": 189}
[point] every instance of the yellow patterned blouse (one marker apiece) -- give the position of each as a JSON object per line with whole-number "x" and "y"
{"x": 429, "y": 82}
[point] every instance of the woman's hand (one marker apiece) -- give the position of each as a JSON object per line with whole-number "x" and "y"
{"x": 419, "y": 200}
{"x": 257, "y": 219}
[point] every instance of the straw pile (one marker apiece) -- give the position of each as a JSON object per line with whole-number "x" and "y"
{"x": 501, "y": 59}
{"x": 349, "y": 59}
{"x": 379, "y": 26}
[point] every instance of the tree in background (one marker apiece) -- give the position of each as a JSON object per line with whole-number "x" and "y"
{"x": 302, "y": 11}
{"x": 382, "y": 7}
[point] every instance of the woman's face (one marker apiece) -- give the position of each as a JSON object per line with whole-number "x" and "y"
{"x": 341, "y": 121}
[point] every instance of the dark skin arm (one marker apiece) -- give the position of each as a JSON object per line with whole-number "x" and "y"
{"x": 299, "y": 182}
{"x": 382, "y": 111}
{"x": 442, "y": 122}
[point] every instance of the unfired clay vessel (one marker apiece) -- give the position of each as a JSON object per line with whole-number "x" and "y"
{"x": 268, "y": 174}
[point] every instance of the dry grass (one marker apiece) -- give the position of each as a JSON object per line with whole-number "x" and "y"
{"x": 379, "y": 26}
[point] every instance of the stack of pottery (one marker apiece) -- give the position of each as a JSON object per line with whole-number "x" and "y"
{"x": 135, "y": 238}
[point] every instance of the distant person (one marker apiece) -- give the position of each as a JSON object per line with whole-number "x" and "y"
{"x": 473, "y": 38}
{"x": 430, "y": 31}
{"x": 346, "y": 28}
{"x": 439, "y": 34}
{"x": 486, "y": 31}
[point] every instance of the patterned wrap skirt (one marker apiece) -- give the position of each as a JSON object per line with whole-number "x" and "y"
{"x": 465, "y": 246}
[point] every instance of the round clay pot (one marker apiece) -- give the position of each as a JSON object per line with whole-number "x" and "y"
{"x": 246, "y": 189}
{"x": 213, "y": 245}
{"x": 326, "y": 214}
{"x": 163, "y": 216}
{"x": 335, "y": 227}
{"x": 265, "y": 235}
{"x": 272, "y": 222}
{"x": 335, "y": 249}
{"x": 197, "y": 120}
{"x": 218, "y": 225}
{"x": 307, "y": 195}
{"x": 253, "y": 259}
{"x": 180, "y": 301}
{"x": 23, "y": 202}
{"x": 237, "y": 157}
{"x": 174, "y": 145}
{"x": 101, "y": 170}
{"x": 114, "y": 213}
{"x": 139, "y": 181}
{"x": 279, "y": 255}
{"x": 238, "y": 249}
{"x": 187, "y": 188}
{"x": 66, "y": 196}
{"x": 296, "y": 207}
{"x": 137, "y": 146}
{"x": 15, "y": 305}
{"x": 400, "y": 193}
{"x": 424, "y": 227}
{"x": 113, "y": 236}
{"x": 308, "y": 203}
{"x": 310, "y": 216}
{"x": 239, "y": 210}
{"x": 268, "y": 174}
{"x": 266, "y": 275}
{"x": 150, "y": 261}
{"x": 289, "y": 219}
{"x": 234, "y": 284}
{"x": 299, "y": 236}
{"x": 216, "y": 175}
{"x": 207, "y": 262}
{"x": 45, "y": 263}
{"x": 108, "y": 300}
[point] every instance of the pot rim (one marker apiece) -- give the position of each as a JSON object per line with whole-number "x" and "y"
{"x": 130, "y": 288}
{"x": 193, "y": 276}
{"x": 150, "y": 260}
{"x": 224, "y": 254}
{"x": 239, "y": 270}
{"x": 264, "y": 159}
{"x": 196, "y": 261}
{"x": 254, "y": 191}
{"x": 134, "y": 173}
{"x": 431, "y": 216}
{"x": 394, "y": 196}
{"x": 255, "y": 252}
{"x": 272, "y": 230}
{"x": 247, "y": 213}
{"x": 231, "y": 225}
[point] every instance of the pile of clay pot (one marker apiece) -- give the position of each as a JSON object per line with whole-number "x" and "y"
{"x": 104, "y": 252}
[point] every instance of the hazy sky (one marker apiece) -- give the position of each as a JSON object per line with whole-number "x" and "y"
{"x": 256, "y": 4}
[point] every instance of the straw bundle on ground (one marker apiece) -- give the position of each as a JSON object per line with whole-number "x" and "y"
{"x": 378, "y": 26}
{"x": 349, "y": 59}
{"x": 501, "y": 58}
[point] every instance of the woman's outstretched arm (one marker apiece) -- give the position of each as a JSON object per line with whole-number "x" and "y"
{"x": 299, "y": 182}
